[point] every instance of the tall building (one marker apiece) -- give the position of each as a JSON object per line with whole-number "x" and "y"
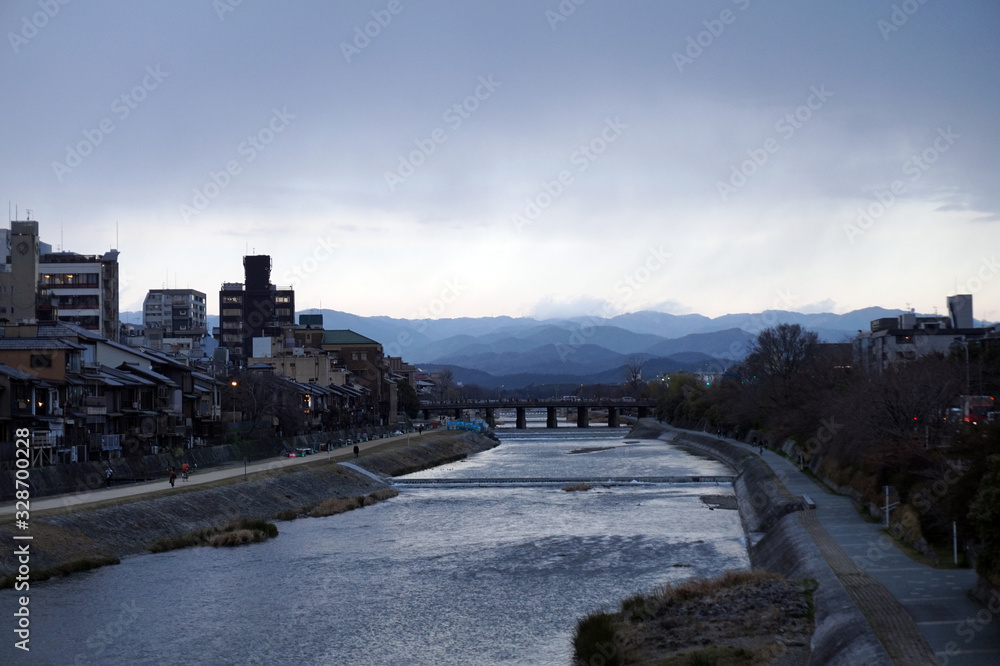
{"x": 36, "y": 284}
{"x": 85, "y": 289}
{"x": 252, "y": 309}
{"x": 19, "y": 283}
{"x": 173, "y": 313}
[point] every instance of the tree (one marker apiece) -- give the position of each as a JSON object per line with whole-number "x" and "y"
{"x": 780, "y": 352}
{"x": 633, "y": 375}
{"x": 443, "y": 382}
{"x": 985, "y": 516}
{"x": 409, "y": 401}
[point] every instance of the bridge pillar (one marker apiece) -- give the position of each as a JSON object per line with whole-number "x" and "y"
{"x": 458, "y": 413}
{"x": 643, "y": 412}
{"x": 491, "y": 420}
{"x": 550, "y": 418}
{"x": 427, "y": 415}
{"x": 522, "y": 419}
{"x": 581, "y": 418}
{"x": 612, "y": 417}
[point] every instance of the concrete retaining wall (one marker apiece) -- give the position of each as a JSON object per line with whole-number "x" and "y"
{"x": 130, "y": 528}
{"x": 780, "y": 543}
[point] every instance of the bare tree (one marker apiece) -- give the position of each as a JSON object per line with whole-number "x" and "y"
{"x": 780, "y": 352}
{"x": 443, "y": 382}
{"x": 633, "y": 375}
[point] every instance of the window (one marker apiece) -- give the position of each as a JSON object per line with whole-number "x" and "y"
{"x": 232, "y": 312}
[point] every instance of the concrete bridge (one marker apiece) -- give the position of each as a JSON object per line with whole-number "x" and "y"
{"x": 614, "y": 407}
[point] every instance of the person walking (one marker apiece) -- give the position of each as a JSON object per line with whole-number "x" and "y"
{"x": 356, "y": 450}
{"x": 173, "y": 477}
{"x": 108, "y": 473}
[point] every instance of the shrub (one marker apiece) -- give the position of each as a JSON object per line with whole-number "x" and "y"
{"x": 594, "y": 640}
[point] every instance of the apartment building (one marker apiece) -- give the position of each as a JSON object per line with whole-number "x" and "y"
{"x": 174, "y": 317}
{"x": 38, "y": 284}
{"x": 254, "y": 308}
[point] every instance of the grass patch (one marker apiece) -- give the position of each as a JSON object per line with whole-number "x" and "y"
{"x": 703, "y": 587}
{"x": 337, "y": 505}
{"x": 231, "y": 534}
{"x": 732, "y": 620}
{"x": 74, "y": 566}
{"x": 594, "y": 640}
{"x": 577, "y": 487}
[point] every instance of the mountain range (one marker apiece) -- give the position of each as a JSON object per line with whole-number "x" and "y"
{"x": 514, "y": 352}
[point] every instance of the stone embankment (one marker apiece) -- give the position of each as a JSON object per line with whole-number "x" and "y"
{"x": 128, "y": 527}
{"x": 779, "y": 541}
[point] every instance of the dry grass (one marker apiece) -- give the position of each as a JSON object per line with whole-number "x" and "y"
{"x": 733, "y": 619}
{"x": 575, "y": 487}
{"x": 337, "y": 505}
{"x": 706, "y": 587}
{"x": 258, "y": 530}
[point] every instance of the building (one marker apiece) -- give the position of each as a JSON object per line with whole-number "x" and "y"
{"x": 37, "y": 284}
{"x": 909, "y": 336}
{"x": 364, "y": 358}
{"x": 174, "y": 317}
{"x": 252, "y": 309}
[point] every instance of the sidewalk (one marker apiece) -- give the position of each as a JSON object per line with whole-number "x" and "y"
{"x": 959, "y": 630}
{"x": 200, "y": 477}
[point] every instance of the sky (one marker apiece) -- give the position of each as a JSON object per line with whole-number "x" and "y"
{"x": 546, "y": 158}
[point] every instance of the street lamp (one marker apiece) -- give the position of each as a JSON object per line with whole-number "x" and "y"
{"x": 234, "y": 400}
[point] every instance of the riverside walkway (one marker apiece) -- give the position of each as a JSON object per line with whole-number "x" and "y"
{"x": 908, "y": 597}
{"x": 233, "y": 472}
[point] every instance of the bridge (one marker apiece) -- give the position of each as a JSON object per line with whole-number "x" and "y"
{"x": 614, "y": 407}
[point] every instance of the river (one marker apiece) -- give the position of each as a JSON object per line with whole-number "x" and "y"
{"x": 442, "y": 575}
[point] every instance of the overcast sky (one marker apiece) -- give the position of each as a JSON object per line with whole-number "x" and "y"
{"x": 466, "y": 158}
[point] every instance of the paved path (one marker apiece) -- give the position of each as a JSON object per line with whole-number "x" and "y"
{"x": 200, "y": 477}
{"x": 960, "y": 631}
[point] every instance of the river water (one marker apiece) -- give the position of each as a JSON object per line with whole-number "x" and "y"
{"x": 443, "y": 575}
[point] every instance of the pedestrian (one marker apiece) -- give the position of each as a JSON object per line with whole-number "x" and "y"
{"x": 184, "y": 471}
{"x": 107, "y": 476}
{"x": 356, "y": 450}
{"x": 173, "y": 477}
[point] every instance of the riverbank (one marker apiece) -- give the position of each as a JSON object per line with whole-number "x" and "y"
{"x": 779, "y": 542}
{"x": 105, "y": 530}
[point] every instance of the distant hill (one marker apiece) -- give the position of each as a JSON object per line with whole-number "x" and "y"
{"x": 512, "y": 351}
